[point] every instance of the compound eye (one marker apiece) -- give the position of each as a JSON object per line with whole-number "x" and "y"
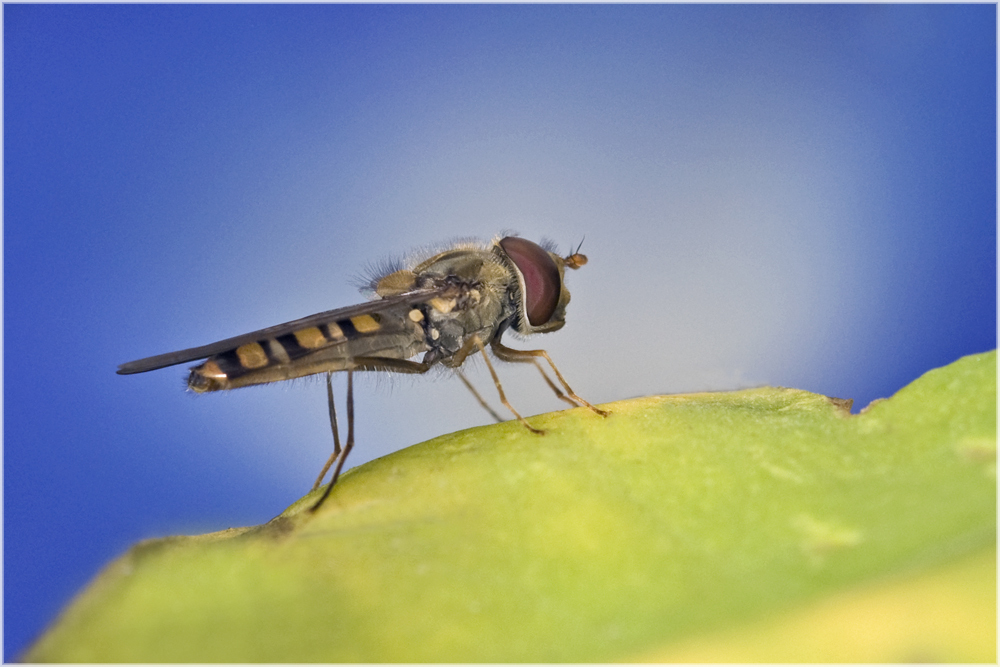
{"x": 541, "y": 277}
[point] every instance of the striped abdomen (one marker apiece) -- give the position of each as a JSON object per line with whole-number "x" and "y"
{"x": 326, "y": 347}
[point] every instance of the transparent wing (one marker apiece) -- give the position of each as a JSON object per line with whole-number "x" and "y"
{"x": 326, "y": 317}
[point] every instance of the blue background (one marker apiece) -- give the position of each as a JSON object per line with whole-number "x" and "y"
{"x": 793, "y": 195}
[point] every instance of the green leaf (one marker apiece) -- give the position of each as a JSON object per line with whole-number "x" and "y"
{"x": 766, "y": 524}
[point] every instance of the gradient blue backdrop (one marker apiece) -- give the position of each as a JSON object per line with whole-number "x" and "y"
{"x": 800, "y": 196}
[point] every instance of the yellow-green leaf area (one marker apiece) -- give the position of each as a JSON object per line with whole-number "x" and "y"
{"x": 675, "y": 519}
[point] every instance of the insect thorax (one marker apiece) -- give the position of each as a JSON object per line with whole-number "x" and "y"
{"x": 479, "y": 303}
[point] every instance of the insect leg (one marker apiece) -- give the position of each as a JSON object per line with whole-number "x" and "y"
{"x": 333, "y": 427}
{"x": 523, "y": 356}
{"x": 347, "y": 445}
{"x": 552, "y": 385}
{"x": 468, "y": 385}
{"x": 463, "y": 352}
{"x": 358, "y": 363}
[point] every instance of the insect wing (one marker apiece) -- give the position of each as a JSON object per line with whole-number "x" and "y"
{"x": 317, "y": 321}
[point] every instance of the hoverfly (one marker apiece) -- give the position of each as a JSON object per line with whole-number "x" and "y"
{"x": 445, "y": 307}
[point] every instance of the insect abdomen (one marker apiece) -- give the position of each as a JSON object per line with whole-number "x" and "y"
{"x": 323, "y": 348}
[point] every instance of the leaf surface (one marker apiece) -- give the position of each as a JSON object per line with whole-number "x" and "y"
{"x": 730, "y": 526}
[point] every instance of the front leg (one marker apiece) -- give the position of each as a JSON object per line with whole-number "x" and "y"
{"x": 505, "y": 353}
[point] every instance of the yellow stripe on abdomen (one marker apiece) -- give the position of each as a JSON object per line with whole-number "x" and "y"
{"x": 310, "y": 338}
{"x": 365, "y": 324}
{"x": 252, "y": 355}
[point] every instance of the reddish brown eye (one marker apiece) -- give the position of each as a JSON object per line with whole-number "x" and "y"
{"x": 541, "y": 277}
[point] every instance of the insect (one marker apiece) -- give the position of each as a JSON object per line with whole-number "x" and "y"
{"x": 445, "y": 306}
